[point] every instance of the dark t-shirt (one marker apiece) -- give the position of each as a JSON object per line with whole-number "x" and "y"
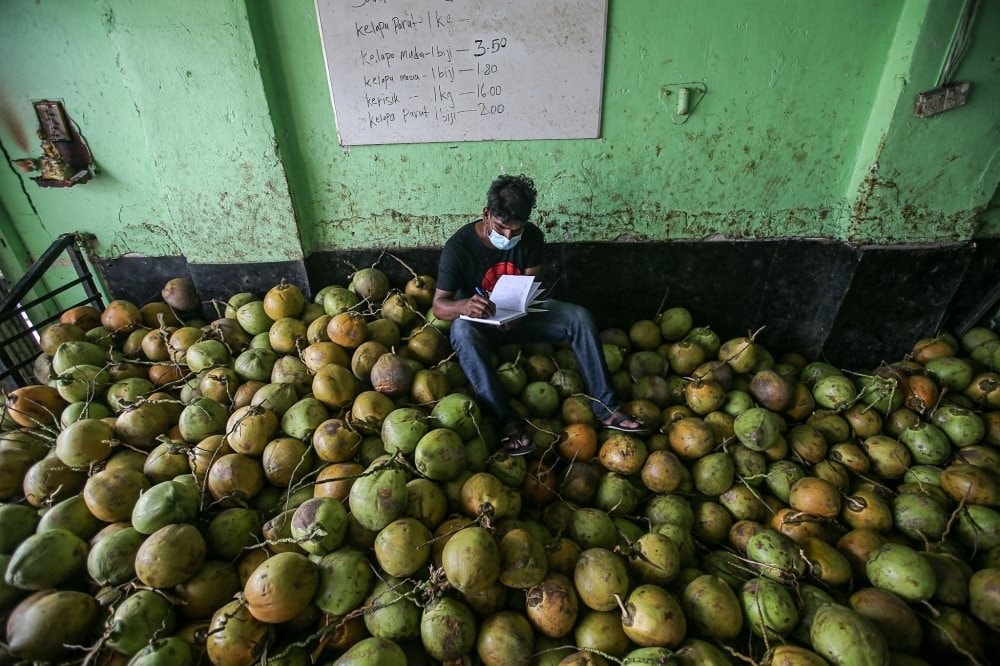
{"x": 466, "y": 263}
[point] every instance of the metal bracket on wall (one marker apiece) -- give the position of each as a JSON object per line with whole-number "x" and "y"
{"x": 66, "y": 159}
{"x": 941, "y": 99}
{"x": 683, "y": 98}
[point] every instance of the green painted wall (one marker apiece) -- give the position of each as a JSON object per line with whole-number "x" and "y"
{"x": 168, "y": 96}
{"x": 933, "y": 176}
{"x": 206, "y": 154}
{"x": 766, "y": 153}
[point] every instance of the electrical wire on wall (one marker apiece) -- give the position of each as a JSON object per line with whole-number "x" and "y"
{"x": 959, "y": 43}
{"x": 949, "y": 93}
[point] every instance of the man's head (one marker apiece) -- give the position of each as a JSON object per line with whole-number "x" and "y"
{"x": 511, "y": 199}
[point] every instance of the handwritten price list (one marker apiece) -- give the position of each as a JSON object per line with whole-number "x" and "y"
{"x": 409, "y": 71}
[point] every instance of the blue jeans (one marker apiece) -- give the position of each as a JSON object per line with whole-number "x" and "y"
{"x": 562, "y": 322}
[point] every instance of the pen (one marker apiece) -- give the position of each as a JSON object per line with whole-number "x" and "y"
{"x": 482, "y": 293}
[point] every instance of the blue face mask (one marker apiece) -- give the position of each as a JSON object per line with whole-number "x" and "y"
{"x": 501, "y": 242}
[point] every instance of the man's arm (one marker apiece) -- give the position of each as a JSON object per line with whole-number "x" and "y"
{"x": 446, "y": 307}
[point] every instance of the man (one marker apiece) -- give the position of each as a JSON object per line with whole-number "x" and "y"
{"x": 504, "y": 242}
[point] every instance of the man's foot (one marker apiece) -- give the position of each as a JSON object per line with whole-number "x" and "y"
{"x": 622, "y": 422}
{"x": 516, "y": 442}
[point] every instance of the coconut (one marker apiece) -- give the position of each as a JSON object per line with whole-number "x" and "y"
{"x": 164, "y": 504}
{"x": 235, "y": 636}
{"x": 447, "y": 629}
{"x": 902, "y": 571}
{"x": 379, "y": 497}
{"x": 768, "y": 607}
{"x": 180, "y": 294}
{"x": 34, "y": 406}
{"x": 85, "y": 442}
{"x": 121, "y": 316}
{"x": 303, "y": 418}
{"x": 345, "y": 580}
{"x": 396, "y": 615}
{"x": 471, "y": 560}
{"x": 232, "y": 531}
{"x": 600, "y": 577}
{"x": 428, "y": 345}
{"x": 19, "y": 522}
{"x": 287, "y": 461}
{"x": 846, "y": 637}
{"x": 319, "y": 525}
{"x": 400, "y": 309}
{"x": 127, "y": 392}
{"x": 206, "y": 354}
{"x": 552, "y": 605}
{"x": 373, "y": 651}
{"x": 391, "y": 375}
{"x": 235, "y": 478}
{"x": 370, "y": 284}
{"x": 772, "y": 390}
{"x": 46, "y": 559}
{"x": 429, "y": 386}
{"x": 48, "y": 480}
{"x": 44, "y": 625}
{"x": 170, "y": 556}
{"x": 421, "y": 289}
{"x": 440, "y": 455}
{"x": 201, "y": 418}
{"x": 284, "y": 300}
{"x": 505, "y": 637}
{"x": 84, "y": 316}
{"x": 712, "y": 608}
{"x": 281, "y": 587}
{"x": 111, "y": 560}
{"x": 14, "y": 465}
{"x": 338, "y": 299}
{"x": 71, "y": 514}
{"x": 167, "y": 461}
{"x": 140, "y": 425}
{"x": 402, "y": 547}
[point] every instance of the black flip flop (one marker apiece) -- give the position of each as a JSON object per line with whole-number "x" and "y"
{"x": 517, "y": 443}
{"x": 618, "y": 417}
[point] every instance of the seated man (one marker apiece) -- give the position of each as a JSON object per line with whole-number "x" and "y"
{"x": 505, "y": 242}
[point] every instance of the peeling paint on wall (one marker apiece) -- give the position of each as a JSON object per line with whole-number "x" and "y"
{"x": 215, "y": 137}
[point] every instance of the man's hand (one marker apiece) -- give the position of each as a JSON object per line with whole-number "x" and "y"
{"x": 479, "y": 307}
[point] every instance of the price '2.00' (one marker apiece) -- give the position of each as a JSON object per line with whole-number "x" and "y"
{"x": 491, "y": 110}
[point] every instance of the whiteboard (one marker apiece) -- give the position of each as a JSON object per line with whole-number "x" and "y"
{"x": 416, "y": 71}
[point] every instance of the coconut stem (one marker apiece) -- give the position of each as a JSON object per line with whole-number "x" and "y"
{"x": 401, "y": 263}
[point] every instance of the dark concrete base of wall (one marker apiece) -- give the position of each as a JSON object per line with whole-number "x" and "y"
{"x": 852, "y": 306}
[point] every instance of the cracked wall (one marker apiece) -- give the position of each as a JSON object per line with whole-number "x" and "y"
{"x": 214, "y": 136}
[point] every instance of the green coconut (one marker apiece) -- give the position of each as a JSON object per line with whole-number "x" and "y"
{"x": 71, "y": 514}
{"x": 164, "y": 504}
{"x": 111, "y": 560}
{"x": 141, "y": 617}
{"x": 170, "y": 555}
{"x": 19, "y": 522}
{"x": 345, "y": 578}
{"x": 41, "y": 627}
{"x": 46, "y": 559}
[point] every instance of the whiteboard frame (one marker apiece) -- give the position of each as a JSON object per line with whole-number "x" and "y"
{"x": 599, "y": 93}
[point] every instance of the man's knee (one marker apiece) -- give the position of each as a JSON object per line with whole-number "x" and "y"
{"x": 463, "y": 333}
{"x": 579, "y": 316}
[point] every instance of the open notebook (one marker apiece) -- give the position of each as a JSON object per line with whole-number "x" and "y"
{"x": 514, "y": 296}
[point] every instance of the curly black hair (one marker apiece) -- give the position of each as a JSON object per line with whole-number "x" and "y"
{"x": 511, "y": 198}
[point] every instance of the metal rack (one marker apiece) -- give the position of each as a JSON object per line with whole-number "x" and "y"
{"x": 18, "y": 346}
